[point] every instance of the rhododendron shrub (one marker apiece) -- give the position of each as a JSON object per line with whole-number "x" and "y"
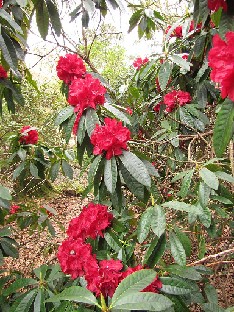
{"x": 112, "y": 138}
{"x": 221, "y": 61}
{"x": 214, "y": 5}
{"x": 28, "y": 135}
{"x": 175, "y": 98}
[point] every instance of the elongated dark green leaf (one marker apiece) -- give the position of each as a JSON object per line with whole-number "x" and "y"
{"x": 211, "y": 293}
{"x": 174, "y": 286}
{"x": 158, "y": 220}
{"x": 185, "y": 241}
{"x": 209, "y": 178}
{"x": 155, "y": 251}
{"x": 223, "y": 128}
{"x": 226, "y": 23}
{"x": 54, "y": 17}
{"x": 67, "y": 169}
{"x": 113, "y": 241}
{"x": 178, "y": 60}
{"x": 136, "y": 167}
{"x": 205, "y": 216}
{"x": 91, "y": 120}
{"x": 135, "y": 19}
{"x": 5, "y": 193}
{"x": 39, "y": 302}
{"x": 204, "y": 194}
{"x": 42, "y": 18}
{"x": 81, "y": 130}
{"x": 26, "y": 302}
{"x": 93, "y": 168}
{"x": 144, "y": 301}
{"x": 9, "y": 53}
{"x": 177, "y": 249}
{"x": 144, "y": 225}
{"x": 69, "y": 127}
{"x": 132, "y": 283}
{"x": 224, "y": 176}
{"x": 5, "y": 16}
{"x": 110, "y": 174}
{"x": 186, "y": 182}
{"x": 18, "y": 97}
{"x": 212, "y": 307}
{"x": 54, "y": 171}
{"x": 63, "y": 115}
{"x": 9, "y": 246}
{"x": 182, "y": 207}
{"x": 164, "y": 74}
{"x": 185, "y": 272}
{"x": 116, "y": 112}
{"x": 18, "y": 170}
{"x": 18, "y": 284}
{"x": 75, "y": 293}
{"x": 34, "y": 170}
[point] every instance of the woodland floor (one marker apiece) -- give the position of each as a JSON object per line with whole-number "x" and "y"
{"x": 39, "y": 248}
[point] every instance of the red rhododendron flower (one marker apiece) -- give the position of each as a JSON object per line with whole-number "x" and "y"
{"x": 214, "y": 5}
{"x": 129, "y": 110}
{"x": 29, "y": 135}
{"x": 1, "y": 4}
{"x": 185, "y": 56}
{"x": 75, "y": 257}
{"x": 157, "y": 107}
{"x": 84, "y": 93}
{"x": 14, "y": 209}
{"x": 92, "y": 220}
{"x": 177, "y": 32}
{"x": 154, "y": 286}
{"x": 106, "y": 279}
{"x": 69, "y": 67}
{"x": 111, "y": 138}
{"x": 139, "y": 62}
{"x": 221, "y": 60}
{"x": 131, "y": 270}
{"x": 3, "y": 73}
{"x": 174, "y": 98}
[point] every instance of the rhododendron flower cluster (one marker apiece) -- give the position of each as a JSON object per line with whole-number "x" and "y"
{"x": 178, "y": 31}
{"x": 92, "y": 220}
{"x": 112, "y": 138}
{"x": 139, "y": 62}
{"x": 221, "y": 61}
{"x": 69, "y": 67}
{"x": 14, "y": 209}
{"x": 214, "y": 5}
{"x": 129, "y": 110}
{"x": 84, "y": 90}
{"x": 3, "y": 73}
{"x": 1, "y": 4}
{"x": 175, "y": 98}
{"x": 76, "y": 258}
{"x": 28, "y": 135}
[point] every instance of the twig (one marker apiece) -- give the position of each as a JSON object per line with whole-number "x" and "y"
{"x": 223, "y": 253}
{"x": 219, "y": 262}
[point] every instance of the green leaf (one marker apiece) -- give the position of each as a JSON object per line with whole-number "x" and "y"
{"x": 34, "y": 170}
{"x": 209, "y": 178}
{"x": 7, "y": 17}
{"x": 91, "y": 120}
{"x": 25, "y": 304}
{"x": 226, "y": 23}
{"x": 132, "y": 283}
{"x": 113, "y": 241}
{"x": 76, "y": 294}
{"x": 181, "y": 206}
{"x": 143, "y": 227}
{"x": 5, "y": 193}
{"x": 68, "y": 127}
{"x": 204, "y": 194}
{"x": 54, "y": 17}
{"x": 93, "y": 168}
{"x": 211, "y": 293}
{"x": 39, "y": 302}
{"x": 42, "y": 18}
{"x": 185, "y": 272}
{"x": 164, "y": 74}
{"x": 117, "y": 113}
{"x": 54, "y": 171}
{"x": 205, "y": 216}
{"x": 136, "y": 167}
{"x": 6, "y": 231}
{"x": 155, "y": 251}
{"x": 9, "y": 53}
{"x": 174, "y": 286}
{"x": 177, "y": 249}
{"x": 81, "y": 130}
{"x": 224, "y": 176}
{"x": 212, "y": 307}
{"x": 144, "y": 301}
{"x": 18, "y": 284}
{"x": 158, "y": 220}
{"x": 9, "y": 246}
{"x": 18, "y": 97}
{"x": 178, "y": 60}
{"x": 135, "y": 19}
{"x": 63, "y": 115}
{"x": 222, "y": 199}
{"x": 110, "y": 174}
{"x": 223, "y": 128}
{"x": 186, "y": 182}
{"x": 67, "y": 169}
{"x": 185, "y": 241}
{"x": 18, "y": 170}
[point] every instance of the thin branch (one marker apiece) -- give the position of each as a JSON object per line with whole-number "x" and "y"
{"x": 222, "y": 253}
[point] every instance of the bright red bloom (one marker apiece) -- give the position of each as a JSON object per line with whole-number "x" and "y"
{"x": 92, "y": 220}
{"x": 214, "y": 5}
{"x": 70, "y": 67}
{"x": 139, "y": 62}
{"x": 174, "y": 98}
{"x": 154, "y": 286}
{"x": 111, "y": 138}
{"x": 14, "y": 209}
{"x": 1, "y": 4}
{"x": 106, "y": 279}
{"x": 29, "y": 135}
{"x": 84, "y": 93}
{"x": 3, "y": 73}
{"x": 131, "y": 270}
{"x": 177, "y": 32}
{"x": 221, "y": 61}
{"x": 185, "y": 56}
{"x": 157, "y": 107}
{"x": 75, "y": 257}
